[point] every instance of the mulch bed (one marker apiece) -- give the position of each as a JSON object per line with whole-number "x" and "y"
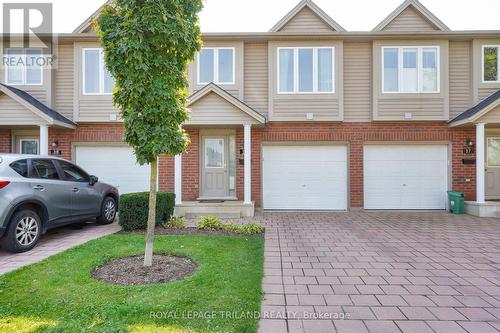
{"x": 131, "y": 270}
{"x": 189, "y": 231}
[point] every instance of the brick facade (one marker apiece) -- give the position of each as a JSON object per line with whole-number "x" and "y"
{"x": 5, "y": 141}
{"x": 355, "y": 134}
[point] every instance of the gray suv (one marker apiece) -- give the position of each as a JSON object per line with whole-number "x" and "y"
{"x": 38, "y": 193}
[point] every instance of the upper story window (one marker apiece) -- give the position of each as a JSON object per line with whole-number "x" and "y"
{"x": 23, "y": 66}
{"x": 410, "y": 69}
{"x": 303, "y": 70}
{"x": 96, "y": 78}
{"x": 491, "y": 63}
{"x": 216, "y": 64}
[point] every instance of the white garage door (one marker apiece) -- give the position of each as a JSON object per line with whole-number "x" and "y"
{"x": 114, "y": 165}
{"x": 305, "y": 177}
{"x": 405, "y": 176}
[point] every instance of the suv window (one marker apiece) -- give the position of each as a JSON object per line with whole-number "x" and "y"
{"x": 43, "y": 169}
{"x": 21, "y": 167}
{"x": 73, "y": 173}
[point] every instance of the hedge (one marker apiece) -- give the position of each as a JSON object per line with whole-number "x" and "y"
{"x": 134, "y": 209}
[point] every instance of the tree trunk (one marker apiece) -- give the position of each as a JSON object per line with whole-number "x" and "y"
{"x": 150, "y": 233}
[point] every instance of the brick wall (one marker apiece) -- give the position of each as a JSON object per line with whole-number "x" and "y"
{"x": 353, "y": 133}
{"x": 5, "y": 143}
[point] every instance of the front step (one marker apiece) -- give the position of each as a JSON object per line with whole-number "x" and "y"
{"x": 234, "y": 215}
{"x": 225, "y": 209}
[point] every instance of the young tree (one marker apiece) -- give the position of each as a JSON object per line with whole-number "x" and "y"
{"x": 147, "y": 46}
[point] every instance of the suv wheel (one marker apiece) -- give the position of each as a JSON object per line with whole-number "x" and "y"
{"x": 23, "y": 232}
{"x": 108, "y": 211}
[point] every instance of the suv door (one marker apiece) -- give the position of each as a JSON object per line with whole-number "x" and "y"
{"x": 85, "y": 199}
{"x": 49, "y": 188}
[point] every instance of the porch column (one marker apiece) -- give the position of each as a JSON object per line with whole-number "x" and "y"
{"x": 480, "y": 163}
{"x": 44, "y": 140}
{"x": 178, "y": 179}
{"x": 247, "y": 149}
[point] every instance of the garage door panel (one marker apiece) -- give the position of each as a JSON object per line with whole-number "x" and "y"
{"x": 114, "y": 165}
{"x": 405, "y": 176}
{"x": 305, "y": 177}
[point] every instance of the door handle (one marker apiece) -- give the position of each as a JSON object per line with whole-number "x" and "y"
{"x": 75, "y": 189}
{"x": 39, "y": 188}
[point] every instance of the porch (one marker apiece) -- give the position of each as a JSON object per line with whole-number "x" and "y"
{"x": 485, "y": 116}
{"x": 217, "y": 179}
{"x": 25, "y": 123}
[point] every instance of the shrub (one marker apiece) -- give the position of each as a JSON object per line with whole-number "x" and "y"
{"x": 210, "y": 223}
{"x": 134, "y": 209}
{"x": 215, "y": 223}
{"x": 177, "y": 222}
{"x": 251, "y": 229}
{"x": 232, "y": 227}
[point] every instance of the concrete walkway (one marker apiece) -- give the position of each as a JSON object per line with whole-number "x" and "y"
{"x": 55, "y": 241}
{"x": 380, "y": 272}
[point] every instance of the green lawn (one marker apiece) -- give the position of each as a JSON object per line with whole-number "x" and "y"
{"x": 59, "y": 295}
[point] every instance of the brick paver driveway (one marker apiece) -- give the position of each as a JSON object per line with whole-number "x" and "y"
{"x": 386, "y": 272}
{"x": 55, "y": 241}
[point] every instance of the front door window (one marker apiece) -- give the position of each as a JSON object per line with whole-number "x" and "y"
{"x": 28, "y": 146}
{"x": 493, "y": 152}
{"x": 214, "y": 153}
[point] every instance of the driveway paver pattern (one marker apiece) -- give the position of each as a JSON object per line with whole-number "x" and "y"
{"x": 380, "y": 272}
{"x": 55, "y": 241}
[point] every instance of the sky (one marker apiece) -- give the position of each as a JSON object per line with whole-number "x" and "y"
{"x": 261, "y": 15}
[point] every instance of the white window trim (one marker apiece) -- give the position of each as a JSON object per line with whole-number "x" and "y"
{"x": 216, "y": 65}
{"x": 498, "y": 63}
{"x": 24, "y": 70}
{"x": 101, "y": 72}
{"x": 29, "y": 140}
{"x": 419, "y": 68}
{"x": 296, "y": 70}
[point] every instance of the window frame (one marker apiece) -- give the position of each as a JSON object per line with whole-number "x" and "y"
{"x": 24, "y": 68}
{"x": 102, "y": 67}
{"x": 296, "y": 70}
{"x": 498, "y": 63}
{"x": 420, "y": 67}
{"x": 42, "y": 158}
{"x": 216, "y": 65}
{"x": 28, "y": 140}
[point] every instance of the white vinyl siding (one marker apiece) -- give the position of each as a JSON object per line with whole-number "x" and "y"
{"x": 410, "y": 69}
{"x": 217, "y": 65}
{"x": 303, "y": 70}
{"x": 24, "y": 66}
{"x": 96, "y": 78}
{"x": 490, "y": 63}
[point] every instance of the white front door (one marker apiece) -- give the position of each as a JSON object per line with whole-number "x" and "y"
{"x": 305, "y": 177}
{"x": 214, "y": 167}
{"x": 405, "y": 176}
{"x": 493, "y": 168}
{"x": 114, "y": 165}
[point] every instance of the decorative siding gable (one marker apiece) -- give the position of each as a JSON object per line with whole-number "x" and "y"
{"x": 410, "y": 20}
{"x": 213, "y": 109}
{"x": 13, "y": 113}
{"x": 306, "y": 21}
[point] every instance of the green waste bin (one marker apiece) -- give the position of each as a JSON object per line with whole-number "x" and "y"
{"x": 456, "y": 202}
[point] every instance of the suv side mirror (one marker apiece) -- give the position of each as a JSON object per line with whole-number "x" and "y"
{"x": 93, "y": 180}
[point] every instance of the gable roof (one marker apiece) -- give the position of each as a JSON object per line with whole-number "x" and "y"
{"x": 419, "y": 8}
{"x": 477, "y": 110}
{"x": 213, "y": 88}
{"x": 87, "y": 24}
{"x": 37, "y": 107}
{"x": 314, "y": 8}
